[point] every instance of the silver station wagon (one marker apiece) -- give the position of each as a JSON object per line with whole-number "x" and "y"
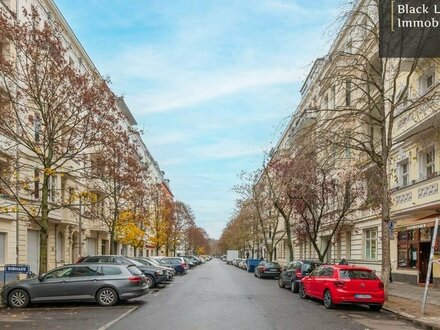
{"x": 103, "y": 283}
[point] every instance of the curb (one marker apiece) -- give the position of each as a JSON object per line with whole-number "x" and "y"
{"x": 412, "y": 318}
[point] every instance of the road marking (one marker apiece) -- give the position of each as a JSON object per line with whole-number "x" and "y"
{"x": 108, "y": 325}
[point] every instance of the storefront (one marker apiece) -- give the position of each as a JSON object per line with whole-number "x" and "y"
{"x": 413, "y": 250}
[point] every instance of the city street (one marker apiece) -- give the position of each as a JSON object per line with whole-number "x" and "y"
{"x": 212, "y": 296}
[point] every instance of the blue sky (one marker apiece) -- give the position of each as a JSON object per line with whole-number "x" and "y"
{"x": 211, "y": 82}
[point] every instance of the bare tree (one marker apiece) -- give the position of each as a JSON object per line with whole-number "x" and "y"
{"x": 52, "y": 113}
{"x": 368, "y": 100}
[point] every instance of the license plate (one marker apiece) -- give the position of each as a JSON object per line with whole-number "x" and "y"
{"x": 362, "y": 296}
{"x": 273, "y": 270}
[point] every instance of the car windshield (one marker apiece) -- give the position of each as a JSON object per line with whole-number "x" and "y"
{"x": 155, "y": 262}
{"x": 357, "y": 274}
{"x": 135, "y": 262}
{"x": 272, "y": 265}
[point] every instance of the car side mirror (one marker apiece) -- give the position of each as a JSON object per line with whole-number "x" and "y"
{"x": 41, "y": 277}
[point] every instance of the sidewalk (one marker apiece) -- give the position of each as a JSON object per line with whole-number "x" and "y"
{"x": 406, "y": 301}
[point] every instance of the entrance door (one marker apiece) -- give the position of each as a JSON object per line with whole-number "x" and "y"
{"x": 424, "y": 252}
{"x": 33, "y": 250}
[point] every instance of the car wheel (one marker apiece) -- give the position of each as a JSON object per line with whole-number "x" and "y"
{"x": 294, "y": 287}
{"x": 150, "y": 281}
{"x": 328, "y": 302}
{"x": 107, "y": 297}
{"x": 280, "y": 282}
{"x": 302, "y": 292}
{"x": 375, "y": 308}
{"x": 18, "y": 298}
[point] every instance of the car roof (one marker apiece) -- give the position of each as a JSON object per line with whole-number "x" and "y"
{"x": 347, "y": 267}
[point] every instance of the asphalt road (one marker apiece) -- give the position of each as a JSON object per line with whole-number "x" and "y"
{"x": 210, "y": 297}
{"x": 219, "y": 296}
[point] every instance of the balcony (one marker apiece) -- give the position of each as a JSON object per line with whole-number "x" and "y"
{"x": 415, "y": 121}
{"x": 419, "y": 194}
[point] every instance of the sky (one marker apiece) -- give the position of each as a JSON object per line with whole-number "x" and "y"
{"x": 211, "y": 83}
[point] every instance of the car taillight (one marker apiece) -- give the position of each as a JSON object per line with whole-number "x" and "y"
{"x": 135, "y": 279}
{"x": 263, "y": 270}
{"x": 298, "y": 273}
{"x": 381, "y": 285}
{"x": 157, "y": 273}
{"x": 339, "y": 284}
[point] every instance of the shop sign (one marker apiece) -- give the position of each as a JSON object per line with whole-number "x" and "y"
{"x": 423, "y": 225}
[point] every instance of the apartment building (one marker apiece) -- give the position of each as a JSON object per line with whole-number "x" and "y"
{"x": 72, "y": 232}
{"x": 333, "y": 87}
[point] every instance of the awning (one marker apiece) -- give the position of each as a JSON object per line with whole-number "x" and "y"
{"x": 425, "y": 222}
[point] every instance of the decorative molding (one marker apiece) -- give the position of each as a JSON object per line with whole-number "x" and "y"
{"x": 404, "y": 198}
{"x": 429, "y": 190}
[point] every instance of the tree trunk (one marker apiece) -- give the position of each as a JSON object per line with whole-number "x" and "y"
{"x": 289, "y": 239}
{"x": 44, "y": 223}
{"x": 385, "y": 237}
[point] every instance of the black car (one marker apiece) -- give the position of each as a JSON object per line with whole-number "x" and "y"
{"x": 267, "y": 269}
{"x": 291, "y": 276}
{"x": 153, "y": 275}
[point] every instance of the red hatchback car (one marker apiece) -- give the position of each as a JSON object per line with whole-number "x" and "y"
{"x": 341, "y": 284}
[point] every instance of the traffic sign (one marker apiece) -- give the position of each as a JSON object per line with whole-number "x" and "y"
{"x": 24, "y": 269}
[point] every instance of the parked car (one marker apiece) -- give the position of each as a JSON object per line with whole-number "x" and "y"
{"x": 190, "y": 262}
{"x": 251, "y": 264}
{"x": 292, "y": 275}
{"x": 153, "y": 275}
{"x": 177, "y": 263}
{"x": 103, "y": 283}
{"x": 342, "y": 284}
{"x": 242, "y": 264}
{"x": 169, "y": 270}
{"x": 194, "y": 259}
{"x": 267, "y": 269}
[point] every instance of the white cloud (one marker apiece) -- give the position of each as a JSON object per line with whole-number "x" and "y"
{"x": 213, "y": 86}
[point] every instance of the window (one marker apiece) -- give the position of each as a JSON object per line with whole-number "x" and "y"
{"x": 60, "y": 273}
{"x": 403, "y": 173}
{"x": 370, "y": 236}
{"x": 357, "y": 274}
{"x": 2, "y": 248}
{"x": 426, "y": 81}
{"x": 430, "y": 163}
{"x": 85, "y": 271}
{"x": 348, "y": 93}
{"x": 108, "y": 270}
{"x": 427, "y": 164}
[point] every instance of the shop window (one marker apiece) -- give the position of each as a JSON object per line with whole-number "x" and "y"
{"x": 407, "y": 255}
{"x": 426, "y": 234}
{"x": 370, "y": 236}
